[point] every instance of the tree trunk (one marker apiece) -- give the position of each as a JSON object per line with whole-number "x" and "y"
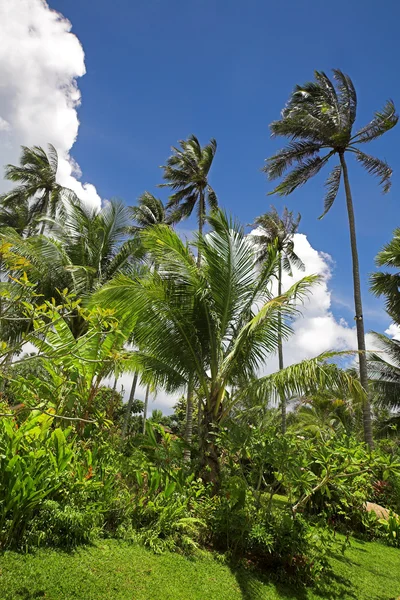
{"x": 201, "y": 222}
{"x": 209, "y": 463}
{"x": 280, "y": 349}
{"x": 146, "y": 404}
{"x": 189, "y": 421}
{"x": 129, "y": 406}
{"x": 367, "y": 419}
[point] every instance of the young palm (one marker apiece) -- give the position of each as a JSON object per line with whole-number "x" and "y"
{"x": 275, "y": 230}
{"x": 187, "y": 172}
{"x": 38, "y": 190}
{"x": 212, "y": 325}
{"x": 319, "y": 119}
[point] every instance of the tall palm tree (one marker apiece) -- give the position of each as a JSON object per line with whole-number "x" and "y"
{"x": 187, "y": 172}
{"x": 318, "y": 117}
{"x": 212, "y": 325}
{"x": 38, "y": 190}
{"x": 386, "y": 283}
{"x": 148, "y": 212}
{"x": 279, "y": 231}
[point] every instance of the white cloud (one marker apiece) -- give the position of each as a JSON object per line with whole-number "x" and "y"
{"x": 393, "y": 331}
{"x": 316, "y": 330}
{"x": 40, "y": 61}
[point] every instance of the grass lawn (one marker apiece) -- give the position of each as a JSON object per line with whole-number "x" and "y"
{"x": 117, "y": 571}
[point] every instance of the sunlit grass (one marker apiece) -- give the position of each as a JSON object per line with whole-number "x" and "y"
{"x": 118, "y": 571}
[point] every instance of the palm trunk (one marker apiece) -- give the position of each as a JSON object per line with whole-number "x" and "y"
{"x": 367, "y": 419}
{"x": 129, "y": 406}
{"x": 146, "y": 404}
{"x": 189, "y": 421}
{"x": 201, "y": 222}
{"x": 209, "y": 462}
{"x": 280, "y": 349}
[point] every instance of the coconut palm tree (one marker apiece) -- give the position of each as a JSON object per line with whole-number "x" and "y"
{"x": 148, "y": 212}
{"x": 273, "y": 229}
{"x": 386, "y": 283}
{"x": 318, "y": 120}
{"x": 187, "y": 171}
{"x": 38, "y": 191}
{"x": 212, "y": 325}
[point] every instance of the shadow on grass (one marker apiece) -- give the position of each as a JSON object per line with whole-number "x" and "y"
{"x": 252, "y": 582}
{"x": 25, "y": 594}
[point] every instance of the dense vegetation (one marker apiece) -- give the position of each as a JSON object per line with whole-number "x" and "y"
{"x": 263, "y": 470}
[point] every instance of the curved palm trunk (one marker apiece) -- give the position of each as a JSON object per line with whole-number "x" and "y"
{"x": 367, "y": 420}
{"x": 129, "y": 406}
{"x": 146, "y": 404}
{"x": 280, "y": 349}
{"x": 189, "y": 421}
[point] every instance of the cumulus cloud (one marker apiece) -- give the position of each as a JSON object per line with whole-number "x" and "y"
{"x": 316, "y": 330}
{"x": 40, "y": 61}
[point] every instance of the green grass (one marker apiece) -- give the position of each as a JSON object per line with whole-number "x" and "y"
{"x": 119, "y": 571}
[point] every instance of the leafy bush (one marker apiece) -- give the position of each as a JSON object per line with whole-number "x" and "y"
{"x": 41, "y": 463}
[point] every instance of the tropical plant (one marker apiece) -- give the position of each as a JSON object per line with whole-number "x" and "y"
{"x": 273, "y": 229}
{"x": 387, "y": 283}
{"x": 187, "y": 171}
{"x": 214, "y": 324}
{"x": 318, "y": 117}
{"x": 74, "y": 368}
{"x": 38, "y": 192}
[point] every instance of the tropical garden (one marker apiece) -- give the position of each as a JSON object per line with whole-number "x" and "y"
{"x": 256, "y": 486}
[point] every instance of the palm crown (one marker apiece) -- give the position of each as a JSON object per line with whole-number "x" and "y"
{"x": 148, "y": 212}
{"x": 320, "y": 117}
{"x": 38, "y": 190}
{"x": 280, "y": 230}
{"x": 187, "y": 171}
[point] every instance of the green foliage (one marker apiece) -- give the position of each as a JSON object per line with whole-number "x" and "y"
{"x": 37, "y": 462}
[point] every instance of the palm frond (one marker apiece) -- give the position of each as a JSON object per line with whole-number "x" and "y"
{"x": 300, "y": 175}
{"x": 332, "y": 184}
{"x": 382, "y": 122}
{"x": 376, "y": 167}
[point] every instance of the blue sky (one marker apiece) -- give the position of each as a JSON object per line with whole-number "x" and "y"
{"x": 158, "y": 71}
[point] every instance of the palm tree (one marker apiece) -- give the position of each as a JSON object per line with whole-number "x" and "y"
{"x": 86, "y": 249}
{"x": 385, "y": 283}
{"x": 38, "y": 191}
{"x": 148, "y": 212}
{"x": 212, "y": 325}
{"x": 273, "y": 229}
{"x": 187, "y": 171}
{"x": 319, "y": 116}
